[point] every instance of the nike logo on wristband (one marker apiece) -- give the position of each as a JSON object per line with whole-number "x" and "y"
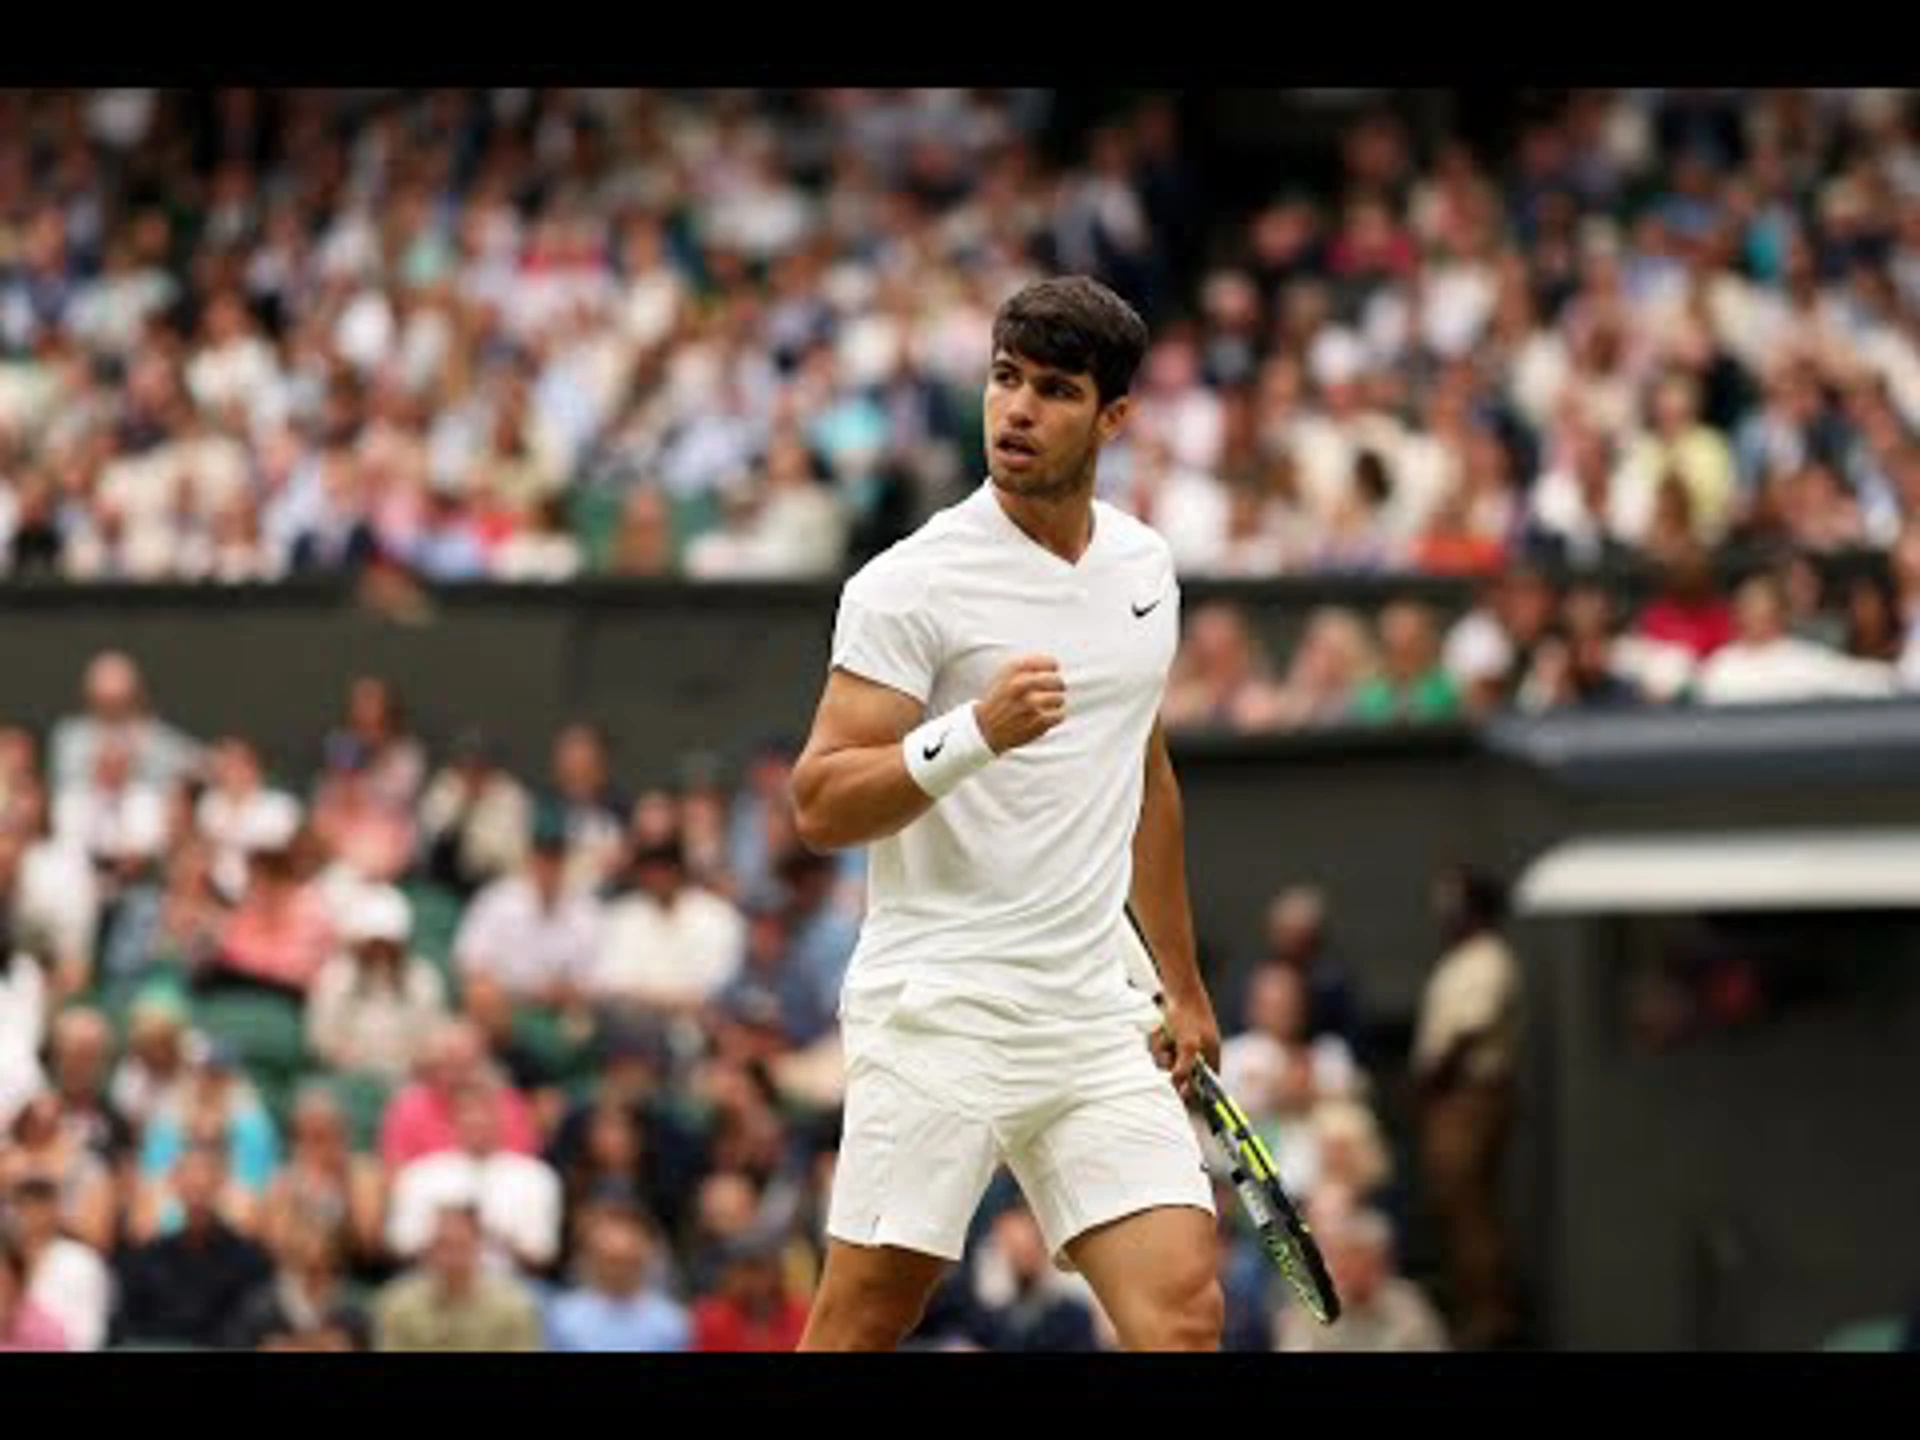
{"x": 1138, "y": 612}
{"x": 932, "y": 750}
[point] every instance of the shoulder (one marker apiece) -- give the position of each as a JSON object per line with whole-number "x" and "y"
{"x": 899, "y": 577}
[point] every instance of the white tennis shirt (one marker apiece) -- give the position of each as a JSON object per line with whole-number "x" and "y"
{"x": 997, "y": 913}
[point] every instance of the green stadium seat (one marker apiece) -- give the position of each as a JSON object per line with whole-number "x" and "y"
{"x": 267, "y": 1031}
{"x": 364, "y": 1098}
{"x": 436, "y": 920}
{"x": 594, "y": 516}
{"x": 541, "y": 1032}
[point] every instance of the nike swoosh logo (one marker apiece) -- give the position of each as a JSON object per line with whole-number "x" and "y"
{"x": 932, "y": 750}
{"x": 1138, "y": 613}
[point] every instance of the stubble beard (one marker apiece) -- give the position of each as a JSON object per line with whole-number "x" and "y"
{"x": 1073, "y": 478}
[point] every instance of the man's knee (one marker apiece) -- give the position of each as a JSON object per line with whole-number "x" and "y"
{"x": 1190, "y": 1313}
{"x": 868, "y": 1306}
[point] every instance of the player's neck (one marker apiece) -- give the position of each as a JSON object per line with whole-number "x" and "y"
{"x": 1062, "y": 524}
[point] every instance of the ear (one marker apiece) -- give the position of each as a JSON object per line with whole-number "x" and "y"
{"x": 1113, "y": 417}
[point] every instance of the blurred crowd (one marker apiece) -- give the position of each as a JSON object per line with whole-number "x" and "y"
{"x": 1533, "y": 643}
{"x": 533, "y": 334}
{"x": 411, "y": 1051}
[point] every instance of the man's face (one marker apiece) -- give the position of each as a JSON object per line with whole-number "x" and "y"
{"x": 455, "y": 1252}
{"x": 619, "y": 1253}
{"x": 1359, "y": 1267}
{"x": 1044, "y": 427}
{"x": 36, "y": 1209}
{"x": 80, "y": 1059}
{"x": 198, "y": 1181}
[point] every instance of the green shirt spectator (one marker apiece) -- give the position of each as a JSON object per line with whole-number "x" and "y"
{"x": 1429, "y": 697}
{"x": 1412, "y": 684}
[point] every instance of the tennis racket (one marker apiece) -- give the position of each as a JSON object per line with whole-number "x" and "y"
{"x": 1284, "y": 1234}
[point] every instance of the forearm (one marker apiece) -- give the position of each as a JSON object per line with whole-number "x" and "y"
{"x": 852, "y": 796}
{"x": 1158, "y": 896}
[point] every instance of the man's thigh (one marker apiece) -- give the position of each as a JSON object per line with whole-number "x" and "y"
{"x": 1106, "y": 1160}
{"x": 911, "y": 1170}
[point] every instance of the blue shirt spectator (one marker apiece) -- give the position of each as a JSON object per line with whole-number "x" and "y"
{"x": 620, "y": 1304}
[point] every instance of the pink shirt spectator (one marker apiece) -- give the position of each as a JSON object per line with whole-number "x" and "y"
{"x": 283, "y": 942}
{"x": 33, "y": 1329}
{"x": 419, "y": 1121}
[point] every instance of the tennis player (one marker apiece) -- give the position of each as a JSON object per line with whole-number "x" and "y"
{"x": 989, "y": 726}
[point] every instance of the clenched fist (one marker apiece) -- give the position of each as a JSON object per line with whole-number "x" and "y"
{"x": 1025, "y": 701}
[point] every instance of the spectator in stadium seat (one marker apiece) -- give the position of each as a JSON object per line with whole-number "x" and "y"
{"x": 56, "y": 901}
{"x": 23, "y": 1003}
{"x": 643, "y": 542}
{"x": 79, "y": 1058}
{"x": 592, "y": 809}
{"x": 1464, "y": 1050}
{"x": 374, "y": 1005}
{"x": 1873, "y": 628}
{"x": 632, "y": 1128}
{"x": 219, "y": 1106}
{"x": 175, "y": 925}
{"x": 1354, "y": 1154}
{"x": 25, "y": 1324}
{"x": 475, "y": 818}
{"x": 419, "y": 1120}
{"x": 517, "y": 1197}
{"x": 281, "y": 932}
{"x": 183, "y": 1286}
{"x": 306, "y": 1305}
{"x": 545, "y": 552}
{"x": 752, "y": 1308}
{"x": 237, "y": 805}
{"x": 117, "y": 705}
{"x": 325, "y": 1180}
{"x": 618, "y": 1306}
{"x": 67, "y": 1279}
{"x": 1572, "y": 517}
{"x": 822, "y": 933}
{"x": 1222, "y": 678}
{"x": 116, "y": 820}
{"x": 396, "y": 764}
{"x": 532, "y": 933}
{"x": 1489, "y": 649}
{"x": 1382, "y": 1311}
{"x": 1764, "y": 664}
{"x": 41, "y": 1147}
{"x": 1298, "y": 936}
{"x": 1687, "y": 612}
{"x": 666, "y": 947}
{"x": 1276, "y": 1027}
{"x": 1906, "y": 578}
{"x": 769, "y": 1006}
{"x": 1680, "y": 443}
{"x": 1334, "y": 659}
{"x": 366, "y": 834}
{"x": 1026, "y": 1303}
{"x": 153, "y": 1065}
{"x": 451, "y": 1302}
{"x": 1411, "y": 686}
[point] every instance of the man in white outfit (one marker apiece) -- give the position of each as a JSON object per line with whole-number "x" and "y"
{"x": 989, "y": 727}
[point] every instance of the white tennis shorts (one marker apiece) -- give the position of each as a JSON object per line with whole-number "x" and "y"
{"x": 1093, "y": 1131}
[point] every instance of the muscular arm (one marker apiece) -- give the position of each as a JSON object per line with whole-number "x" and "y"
{"x": 1158, "y": 897}
{"x": 851, "y": 783}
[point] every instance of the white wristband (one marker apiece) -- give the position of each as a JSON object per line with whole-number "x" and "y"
{"x": 946, "y": 750}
